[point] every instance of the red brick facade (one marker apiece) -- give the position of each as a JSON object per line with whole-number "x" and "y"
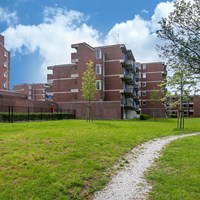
{"x": 151, "y": 76}
{"x": 37, "y": 92}
{"x": 115, "y": 74}
{"x": 4, "y": 66}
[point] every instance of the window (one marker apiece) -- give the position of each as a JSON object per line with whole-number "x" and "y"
{"x": 144, "y": 93}
{"x": 144, "y": 66}
{"x": 98, "y": 85}
{"x": 98, "y": 53}
{"x": 5, "y": 85}
{"x": 143, "y": 103}
{"x": 5, "y": 75}
{"x": 144, "y": 84}
{"x": 144, "y": 75}
{"x": 98, "y": 69}
{"x": 5, "y": 53}
{"x": 6, "y": 64}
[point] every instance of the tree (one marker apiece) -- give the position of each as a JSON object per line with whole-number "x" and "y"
{"x": 180, "y": 33}
{"x": 181, "y": 84}
{"x": 89, "y": 87}
{"x": 155, "y": 98}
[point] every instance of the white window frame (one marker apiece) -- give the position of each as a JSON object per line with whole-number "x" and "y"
{"x": 144, "y": 66}
{"x": 98, "y": 85}
{"x": 143, "y": 93}
{"x": 98, "y": 54}
{"x": 144, "y": 84}
{"x": 98, "y": 69}
{"x": 144, "y": 75}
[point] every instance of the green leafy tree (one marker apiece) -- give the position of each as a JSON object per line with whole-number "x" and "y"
{"x": 180, "y": 33}
{"x": 181, "y": 85}
{"x": 89, "y": 87}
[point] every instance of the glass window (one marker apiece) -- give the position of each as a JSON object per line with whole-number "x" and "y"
{"x": 143, "y": 103}
{"x": 144, "y": 66}
{"x": 144, "y": 84}
{"x": 144, "y": 75}
{"x": 98, "y": 69}
{"x": 98, "y": 53}
{"x": 144, "y": 93}
{"x": 98, "y": 85}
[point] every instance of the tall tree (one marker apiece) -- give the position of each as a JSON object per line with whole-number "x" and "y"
{"x": 180, "y": 33}
{"x": 89, "y": 87}
{"x": 181, "y": 84}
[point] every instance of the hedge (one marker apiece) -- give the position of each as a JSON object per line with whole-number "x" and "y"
{"x": 144, "y": 116}
{"x": 16, "y": 117}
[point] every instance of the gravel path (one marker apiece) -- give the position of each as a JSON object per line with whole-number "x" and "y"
{"x": 129, "y": 182}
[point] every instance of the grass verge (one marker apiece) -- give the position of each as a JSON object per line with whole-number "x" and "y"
{"x": 177, "y": 172}
{"x": 70, "y": 159}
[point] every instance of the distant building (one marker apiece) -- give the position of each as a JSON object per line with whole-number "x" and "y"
{"x": 191, "y": 107}
{"x": 151, "y": 76}
{"x": 117, "y": 82}
{"x": 35, "y": 91}
{"x": 4, "y": 66}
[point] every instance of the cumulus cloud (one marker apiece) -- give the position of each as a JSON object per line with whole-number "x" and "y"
{"x": 9, "y": 17}
{"x": 53, "y": 37}
{"x": 60, "y": 28}
{"x": 139, "y": 34}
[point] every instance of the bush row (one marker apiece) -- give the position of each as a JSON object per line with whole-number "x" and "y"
{"x": 5, "y": 117}
{"x": 144, "y": 116}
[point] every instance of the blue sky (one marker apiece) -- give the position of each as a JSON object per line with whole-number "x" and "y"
{"x": 39, "y": 33}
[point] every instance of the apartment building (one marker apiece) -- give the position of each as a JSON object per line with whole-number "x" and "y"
{"x": 4, "y": 66}
{"x": 151, "y": 76}
{"x": 35, "y": 91}
{"x": 191, "y": 107}
{"x": 116, "y": 81}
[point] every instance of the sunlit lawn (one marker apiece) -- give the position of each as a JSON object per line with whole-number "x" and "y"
{"x": 70, "y": 159}
{"x": 177, "y": 173}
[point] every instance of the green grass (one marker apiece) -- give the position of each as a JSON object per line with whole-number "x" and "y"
{"x": 177, "y": 172}
{"x": 70, "y": 159}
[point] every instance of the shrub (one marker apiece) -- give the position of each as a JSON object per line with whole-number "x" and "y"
{"x": 144, "y": 116}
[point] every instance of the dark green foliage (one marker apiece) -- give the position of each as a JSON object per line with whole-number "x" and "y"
{"x": 17, "y": 117}
{"x": 144, "y": 116}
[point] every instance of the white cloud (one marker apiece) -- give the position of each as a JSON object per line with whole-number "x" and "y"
{"x": 61, "y": 28}
{"x": 9, "y": 17}
{"x": 53, "y": 37}
{"x": 139, "y": 34}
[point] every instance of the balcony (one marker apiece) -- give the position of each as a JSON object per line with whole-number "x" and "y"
{"x": 128, "y": 78}
{"x": 136, "y": 86}
{"x": 127, "y": 66}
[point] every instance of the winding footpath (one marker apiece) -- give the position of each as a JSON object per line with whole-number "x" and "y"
{"x": 129, "y": 182}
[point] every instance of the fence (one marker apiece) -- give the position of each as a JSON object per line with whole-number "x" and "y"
{"x": 19, "y": 113}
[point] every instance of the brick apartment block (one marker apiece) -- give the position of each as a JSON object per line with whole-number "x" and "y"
{"x": 4, "y": 66}
{"x": 117, "y": 82}
{"x": 151, "y": 76}
{"x": 35, "y": 91}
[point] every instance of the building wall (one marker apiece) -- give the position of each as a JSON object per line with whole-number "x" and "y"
{"x": 37, "y": 92}
{"x": 21, "y": 103}
{"x": 99, "y": 109}
{"x": 4, "y": 66}
{"x": 151, "y": 76}
{"x": 116, "y": 64}
{"x": 196, "y": 106}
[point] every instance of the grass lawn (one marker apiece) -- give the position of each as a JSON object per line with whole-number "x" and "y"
{"x": 177, "y": 172}
{"x": 70, "y": 159}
